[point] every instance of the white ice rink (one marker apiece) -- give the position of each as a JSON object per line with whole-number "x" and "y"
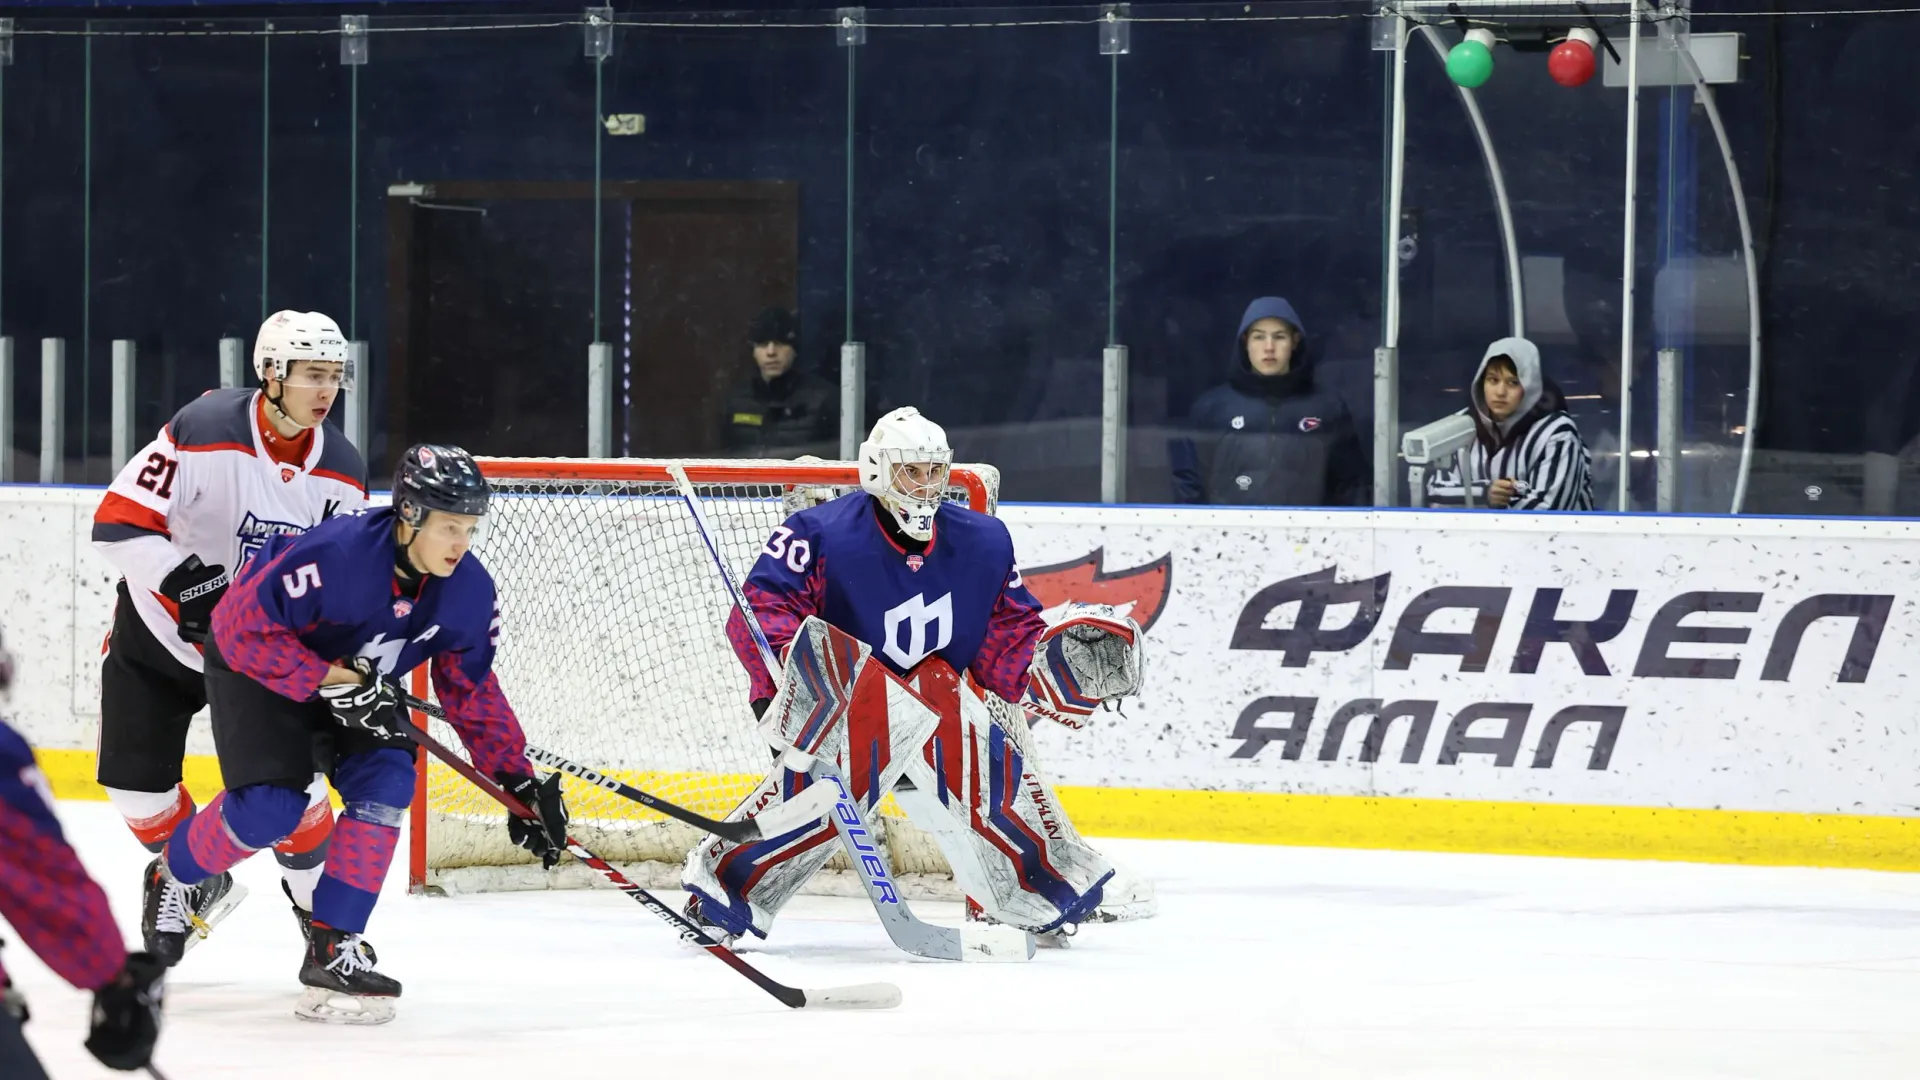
{"x": 1263, "y": 962}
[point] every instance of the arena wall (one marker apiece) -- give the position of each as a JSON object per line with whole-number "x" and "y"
{"x": 1713, "y": 689}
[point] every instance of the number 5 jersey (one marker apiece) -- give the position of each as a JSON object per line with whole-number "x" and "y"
{"x": 218, "y": 482}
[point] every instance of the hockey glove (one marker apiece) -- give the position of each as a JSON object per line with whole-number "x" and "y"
{"x": 195, "y": 588}
{"x": 369, "y": 705}
{"x": 547, "y": 836}
{"x": 126, "y": 1014}
{"x": 1090, "y": 656}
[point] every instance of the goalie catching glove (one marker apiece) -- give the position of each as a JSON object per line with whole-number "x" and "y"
{"x": 370, "y": 705}
{"x": 546, "y": 834}
{"x": 1089, "y": 656}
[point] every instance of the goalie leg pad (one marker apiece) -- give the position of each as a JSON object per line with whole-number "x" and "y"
{"x": 979, "y": 793}
{"x": 839, "y": 706}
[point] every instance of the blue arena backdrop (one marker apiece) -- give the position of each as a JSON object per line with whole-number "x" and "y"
{"x": 1248, "y": 163}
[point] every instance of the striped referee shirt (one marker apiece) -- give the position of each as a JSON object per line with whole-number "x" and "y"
{"x": 1540, "y": 451}
{"x": 1548, "y": 464}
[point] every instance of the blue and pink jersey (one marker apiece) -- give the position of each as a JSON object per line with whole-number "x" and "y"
{"x": 58, "y": 911}
{"x": 330, "y": 594}
{"x": 961, "y": 599}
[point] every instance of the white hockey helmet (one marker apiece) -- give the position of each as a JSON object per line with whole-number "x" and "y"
{"x": 901, "y": 438}
{"x": 288, "y": 336}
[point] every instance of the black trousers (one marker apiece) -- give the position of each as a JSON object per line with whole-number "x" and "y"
{"x": 263, "y": 737}
{"x": 17, "y": 1061}
{"x": 147, "y": 700}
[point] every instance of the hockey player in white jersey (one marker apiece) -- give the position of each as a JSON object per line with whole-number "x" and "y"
{"x": 232, "y": 468}
{"x": 932, "y": 589}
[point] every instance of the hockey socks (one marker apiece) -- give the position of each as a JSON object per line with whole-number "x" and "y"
{"x": 233, "y": 826}
{"x": 153, "y": 816}
{"x": 303, "y": 855}
{"x": 357, "y": 860}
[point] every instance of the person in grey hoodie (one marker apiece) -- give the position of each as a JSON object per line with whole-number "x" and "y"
{"x": 1268, "y": 436}
{"x": 1526, "y": 453}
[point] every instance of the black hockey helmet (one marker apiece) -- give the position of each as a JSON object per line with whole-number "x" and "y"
{"x": 442, "y": 478}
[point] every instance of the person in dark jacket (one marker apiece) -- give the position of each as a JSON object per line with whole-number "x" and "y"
{"x": 779, "y": 407}
{"x": 1268, "y": 436}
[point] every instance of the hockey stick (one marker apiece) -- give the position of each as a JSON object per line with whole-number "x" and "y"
{"x": 861, "y": 996}
{"x": 806, "y": 808}
{"x": 905, "y": 929}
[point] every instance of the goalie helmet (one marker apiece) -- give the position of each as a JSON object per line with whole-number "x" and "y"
{"x": 288, "y": 336}
{"x": 903, "y": 437}
{"x": 441, "y": 478}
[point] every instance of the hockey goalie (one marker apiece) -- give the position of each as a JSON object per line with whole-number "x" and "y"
{"x": 932, "y": 589}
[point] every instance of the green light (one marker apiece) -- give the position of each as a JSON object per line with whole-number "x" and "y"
{"x": 1470, "y": 64}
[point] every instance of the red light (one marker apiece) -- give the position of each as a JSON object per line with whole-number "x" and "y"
{"x": 1571, "y": 62}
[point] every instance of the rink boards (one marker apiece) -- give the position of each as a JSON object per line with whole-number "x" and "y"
{"x": 1710, "y": 689}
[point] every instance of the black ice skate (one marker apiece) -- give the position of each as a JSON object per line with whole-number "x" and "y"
{"x": 305, "y": 919}
{"x": 341, "y": 985}
{"x": 175, "y": 917}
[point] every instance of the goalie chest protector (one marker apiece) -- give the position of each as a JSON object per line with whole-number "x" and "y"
{"x": 906, "y": 606}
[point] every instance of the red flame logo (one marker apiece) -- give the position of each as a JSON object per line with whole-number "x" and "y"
{"x": 1143, "y": 587}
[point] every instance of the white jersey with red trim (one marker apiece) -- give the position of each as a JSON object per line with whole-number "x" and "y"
{"x": 207, "y": 486}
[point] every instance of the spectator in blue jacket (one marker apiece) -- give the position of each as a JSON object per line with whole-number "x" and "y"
{"x": 1268, "y": 436}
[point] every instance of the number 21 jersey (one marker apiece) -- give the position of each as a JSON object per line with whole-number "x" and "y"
{"x": 207, "y": 485}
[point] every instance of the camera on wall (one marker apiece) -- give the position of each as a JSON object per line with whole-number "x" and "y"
{"x": 1433, "y": 443}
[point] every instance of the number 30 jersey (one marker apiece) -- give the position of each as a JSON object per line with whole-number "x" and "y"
{"x": 208, "y": 486}
{"x": 961, "y": 600}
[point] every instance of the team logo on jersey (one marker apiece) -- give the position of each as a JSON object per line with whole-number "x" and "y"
{"x": 915, "y": 562}
{"x": 286, "y": 474}
{"x": 1309, "y": 423}
{"x": 254, "y": 532}
{"x": 1140, "y": 592}
{"x": 928, "y": 629}
{"x": 402, "y": 608}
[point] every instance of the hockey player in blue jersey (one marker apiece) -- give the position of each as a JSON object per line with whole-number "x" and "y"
{"x": 933, "y": 589}
{"x": 62, "y": 915}
{"x": 303, "y": 647}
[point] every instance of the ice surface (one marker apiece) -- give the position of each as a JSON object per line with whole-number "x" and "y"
{"x": 1263, "y": 962}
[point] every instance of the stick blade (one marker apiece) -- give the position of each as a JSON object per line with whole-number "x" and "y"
{"x": 877, "y": 995}
{"x": 995, "y": 944}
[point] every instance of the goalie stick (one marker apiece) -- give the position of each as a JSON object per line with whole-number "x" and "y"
{"x": 973, "y": 941}
{"x": 860, "y": 996}
{"x": 804, "y": 809}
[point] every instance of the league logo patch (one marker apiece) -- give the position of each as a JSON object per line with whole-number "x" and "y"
{"x": 915, "y": 562}
{"x": 254, "y": 532}
{"x": 1140, "y": 592}
{"x": 1309, "y": 423}
{"x": 286, "y": 474}
{"x": 402, "y": 608}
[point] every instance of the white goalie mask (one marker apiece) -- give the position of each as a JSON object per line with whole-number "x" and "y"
{"x": 288, "y": 336}
{"x": 904, "y": 464}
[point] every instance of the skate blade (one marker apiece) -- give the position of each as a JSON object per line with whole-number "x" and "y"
{"x": 323, "y": 1006}
{"x": 990, "y": 943}
{"x": 204, "y": 924}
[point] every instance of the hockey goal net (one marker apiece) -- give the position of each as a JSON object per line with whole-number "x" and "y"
{"x": 613, "y": 654}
